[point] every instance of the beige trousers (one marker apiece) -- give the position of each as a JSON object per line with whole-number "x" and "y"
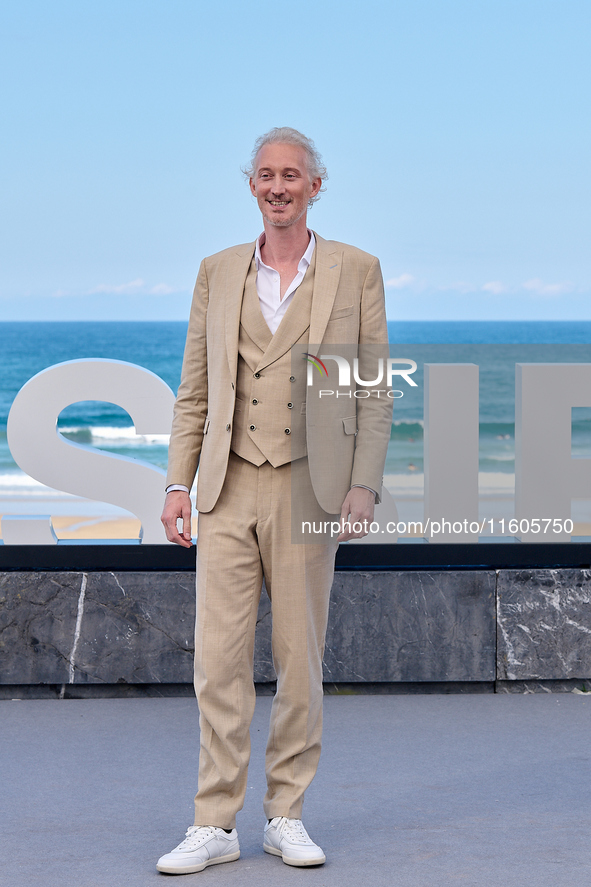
{"x": 245, "y": 537}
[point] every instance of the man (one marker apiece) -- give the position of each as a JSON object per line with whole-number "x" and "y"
{"x": 243, "y": 415}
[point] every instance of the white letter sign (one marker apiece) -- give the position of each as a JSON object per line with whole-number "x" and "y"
{"x": 41, "y": 451}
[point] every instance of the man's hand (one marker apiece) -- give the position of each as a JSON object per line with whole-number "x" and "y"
{"x": 357, "y": 513}
{"x": 177, "y": 505}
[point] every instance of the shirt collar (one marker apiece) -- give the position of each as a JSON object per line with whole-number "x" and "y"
{"x": 302, "y": 264}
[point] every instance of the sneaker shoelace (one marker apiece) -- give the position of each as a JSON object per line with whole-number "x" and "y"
{"x": 196, "y": 834}
{"x": 295, "y": 831}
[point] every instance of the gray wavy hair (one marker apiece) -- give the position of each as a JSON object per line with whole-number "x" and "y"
{"x": 286, "y": 135}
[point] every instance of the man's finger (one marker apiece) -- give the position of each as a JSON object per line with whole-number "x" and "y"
{"x": 187, "y": 525}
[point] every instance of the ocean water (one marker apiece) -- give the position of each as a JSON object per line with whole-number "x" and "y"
{"x": 29, "y": 347}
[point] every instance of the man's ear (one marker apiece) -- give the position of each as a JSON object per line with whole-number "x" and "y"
{"x": 252, "y": 188}
{"x": 316, "y": 186}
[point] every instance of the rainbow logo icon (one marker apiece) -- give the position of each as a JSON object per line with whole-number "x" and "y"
{"x": 315, "y": 361}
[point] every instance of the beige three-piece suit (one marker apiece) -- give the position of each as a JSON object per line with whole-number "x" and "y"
{"x": 246, "y": 417}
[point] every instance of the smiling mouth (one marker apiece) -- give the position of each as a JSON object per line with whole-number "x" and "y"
{"x": 279, "y": 202}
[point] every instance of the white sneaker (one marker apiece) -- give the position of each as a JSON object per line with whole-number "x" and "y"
{"x": 204, "y": 845}
{"x": 289, "y": 839}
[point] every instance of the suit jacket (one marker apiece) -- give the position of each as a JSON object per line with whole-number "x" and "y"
{"x": 347, "y": 437}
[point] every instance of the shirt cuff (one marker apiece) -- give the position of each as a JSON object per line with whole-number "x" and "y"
{"x": 363, "y": 487}
{"x": 177, "y": 487}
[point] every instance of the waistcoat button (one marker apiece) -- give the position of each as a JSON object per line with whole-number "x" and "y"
{"x": 255, "y": 401}
{"x": 257, "y": 375}
{"x": 252, "y": 427}
{"x": 228, "y": 427}
{"x": 292, "y": 378}
{"x": 289, "y": 406}
{"x": 288, "y": 430}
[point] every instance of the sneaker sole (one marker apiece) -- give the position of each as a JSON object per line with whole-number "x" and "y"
{"x": 189, "y": 869}
{"x": 288, "y": 860}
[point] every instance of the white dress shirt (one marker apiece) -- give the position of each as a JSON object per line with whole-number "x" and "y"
{"x": 268, "y": 284}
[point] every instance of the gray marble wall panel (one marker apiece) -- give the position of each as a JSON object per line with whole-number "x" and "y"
{"x": 37, "y": 623}
{"x": 411, "y": 626}
{"x": 543, "y": 624}
{"x": 96, "y": 627}
{"x": 384, "y": 627}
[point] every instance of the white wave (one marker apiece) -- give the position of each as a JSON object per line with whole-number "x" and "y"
{"x": 103, "y": 433}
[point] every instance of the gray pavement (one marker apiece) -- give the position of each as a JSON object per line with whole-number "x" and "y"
{"x": 420, "y": 791}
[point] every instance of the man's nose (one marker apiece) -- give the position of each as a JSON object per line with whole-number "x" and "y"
{"x": 278, "y": 185}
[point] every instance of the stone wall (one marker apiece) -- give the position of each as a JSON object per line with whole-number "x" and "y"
{"x": 518, "y": 628}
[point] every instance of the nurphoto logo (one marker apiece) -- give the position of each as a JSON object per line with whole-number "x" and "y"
{"x": 385, "y": 369}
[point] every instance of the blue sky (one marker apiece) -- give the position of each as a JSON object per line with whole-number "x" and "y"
{"x": 456, "y": 135}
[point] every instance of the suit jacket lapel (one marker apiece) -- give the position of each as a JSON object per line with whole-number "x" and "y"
{"x": 251, "y": 318}
{"x": 329, "y": 261}
{"x": 236, "y": 271}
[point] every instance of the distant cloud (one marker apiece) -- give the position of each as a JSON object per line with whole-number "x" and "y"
{"x": 132, "y": 287}
{"x": 161, "y": 289}
{"x": 535, "y": 285}
{"x": 495, "y": 287}
{"x": 398, "y": 283}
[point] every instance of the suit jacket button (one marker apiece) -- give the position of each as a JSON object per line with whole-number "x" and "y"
{"x": 292, "y": 378}
{"x": 252, "y": 427}
{"x": 228, "y": 427}
{"x": 257, "y": 375}
{"x": 288, "y": 430}
{"x": 255, "y": 401}
{"x": 289, "y": 406}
